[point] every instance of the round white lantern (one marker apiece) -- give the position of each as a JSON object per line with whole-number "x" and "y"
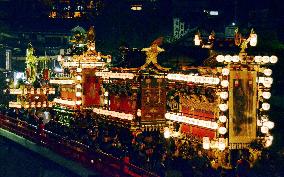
{"x": 206, "y": 143}
{"x": 224, "y": 95}
{"x": 265, "y": 106}
{"x": 269, "y": 124}
{"x": 235, "y": 58}
{"x": 264, "y": 129}
{"x": 225, "y": 71}
{"x": 79, "y": 78}
{"x": 223, "y": 107}
{"x": 224, "y": 83}
{"x": 265, "y": 59}
{"x": 139, "y": 112}
{"x": 167, "y": 133}
{"x": 266, "y": 95}
{"x": 273, "y": 59}
{"x": 257, "y": 59}
{"x": 79, "y": 70}
{"x": 79, "y": 102}
{"x": 106, "y": 94}
{"x": 220, "y": 58}
{"x": 78, "y": 86}
{"x": 78, "y": 94}
{"x": 228, "y": 58}
{"x": 222, "y": 119}
{"x": 253, "y": 40}
{"x": 221, "y": 146}
{"x": 222, "y": 130}
{"x": 267, "y": 72}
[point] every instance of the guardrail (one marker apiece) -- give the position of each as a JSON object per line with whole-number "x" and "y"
{"x": 101, "y": 162}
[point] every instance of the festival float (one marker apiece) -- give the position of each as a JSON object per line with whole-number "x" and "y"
{"x": 224, "y": 106}
{"x": 32, "y": 90}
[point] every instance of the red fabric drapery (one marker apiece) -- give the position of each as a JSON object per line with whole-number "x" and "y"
{"x": 92, "y": 91}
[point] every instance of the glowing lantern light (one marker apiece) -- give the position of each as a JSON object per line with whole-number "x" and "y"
{"x": 253, "y": 39}
{"x": 266, "y": 95}
{"x": 139, "y": 113}
{"x": 106, "y": 94}
{"x": 265, "y": 59}
{"x": 268, "y": 141}
{"x": 222, "y": 130}
{"x": 79, "y": 102}
{"x": 78, "y": 94}
{"x": 235, "y": 58}
{"x": 273, "y": 59}
{"x": 269, "y": 124}
{"x": 221, "y": 144}
{"x": 78, "y": 86}
{"x": 197, "y": 40}
{"x": 206, "y": 143}
{"x": 79, "y": 70}
{"x": 106, "y": 102}
{"x": 167, "y": 133}
{"x": 222, "y": 119}
{"x": 267, "y": 72}
{"x": 257, "y": 59}
{"x": 265, "y": 106}
{"x": 228, "y": 58}
{"x": 224, "y": 95}
{"x": 225, "y": 71}
{"x": 79, "y": 78}
{"x": 264, "y": 129}
{"x": 220, "y": 58}
{"x": 223, "y": 107}
{"x": 224, "y": 83}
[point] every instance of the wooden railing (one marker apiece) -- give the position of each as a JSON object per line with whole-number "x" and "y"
{"x": 105, "y": 164}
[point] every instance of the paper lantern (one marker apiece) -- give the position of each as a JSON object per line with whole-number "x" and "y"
{"x": 167, "y": 133}
{"x": 220, "y": 58}
{"x": 224, "y": 83}
{"x": 223, "y": 107}
{"x": 273, "y": 59}
{"x": 79, "y": 70}
{"x": 257, "y": 59}
{"x": 265, "y": 106}
{"x": 235, "y": 58}
{"x": 265, "y": 59}
{"x": 224, "y": 95}
{"x": 222, "y": 119}
{"x": 228, "y": 58}
{"x": 222, "y": 130}
{"x": 79, "y": 78}
{"x": 206, "y": 143}
{"x": 253, "y": 39}
{"x": 266, "y": 95}
{"x": 267, "y": 72}
{"x": 264, "y": 129}
{"x": 225, "y": 71}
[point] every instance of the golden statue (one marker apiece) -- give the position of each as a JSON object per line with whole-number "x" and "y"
{"x": 152, "y": 53}
{"x": 31, "y": 62}
{"x": 241, "y": 41}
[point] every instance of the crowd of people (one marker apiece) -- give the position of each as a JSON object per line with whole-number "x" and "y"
{"x": 149, "y": 150}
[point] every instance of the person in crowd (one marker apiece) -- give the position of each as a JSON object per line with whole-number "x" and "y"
{"x": 243, "y": 167}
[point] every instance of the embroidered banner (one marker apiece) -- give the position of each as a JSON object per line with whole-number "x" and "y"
{"x": 242, "y": 106}
{"x": 153, "y": 100}
{"x": 92, "y": 91}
